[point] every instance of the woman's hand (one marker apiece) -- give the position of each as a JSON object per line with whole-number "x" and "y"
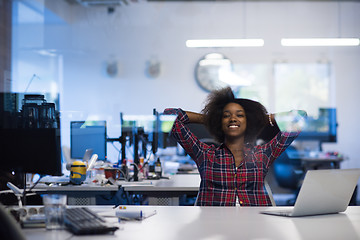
{"x": 292, "y": 121}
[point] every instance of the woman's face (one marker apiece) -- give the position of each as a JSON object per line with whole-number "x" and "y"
{"x": 234, "y": 120}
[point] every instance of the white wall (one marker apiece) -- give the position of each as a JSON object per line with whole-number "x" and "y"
{"x": 135, "y": 33}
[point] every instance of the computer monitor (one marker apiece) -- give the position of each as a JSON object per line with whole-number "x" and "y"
{"x": 31, "y": 151}
{"x": 322, "y": 128}
{"x": 88, "y": 135}
{"x": 166, "y": 123}
{"x": 137, "y": 128}
{"x": 29, "y": 135}
{"x": 157, "y": 127}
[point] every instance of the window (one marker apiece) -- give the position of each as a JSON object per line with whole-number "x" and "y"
{"x": 287, "y": 86}
{"x": 302, "y": 86}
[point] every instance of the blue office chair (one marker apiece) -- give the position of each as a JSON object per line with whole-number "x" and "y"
{"x": 289, "y": 173}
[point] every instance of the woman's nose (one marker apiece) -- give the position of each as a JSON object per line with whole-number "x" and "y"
{"x": 232, "y": 118}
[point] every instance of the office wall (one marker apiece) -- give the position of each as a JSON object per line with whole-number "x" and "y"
{"x": 88, "y": 38}
{"x": 5, "y": 45}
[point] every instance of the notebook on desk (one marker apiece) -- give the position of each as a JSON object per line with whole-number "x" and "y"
{"x": 322, "y": 192}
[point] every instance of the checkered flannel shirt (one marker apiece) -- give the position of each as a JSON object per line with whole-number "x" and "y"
{"x": 221, "y": 181}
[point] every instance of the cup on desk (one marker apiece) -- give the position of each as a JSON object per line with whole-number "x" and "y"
{"x": 115, "y": 173}
{"x": 77, "y": 172}
{"x": 54, "y": 205}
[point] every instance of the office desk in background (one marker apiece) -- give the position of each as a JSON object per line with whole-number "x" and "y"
{"x": 316, "y": 160}
{"x": 222, "y": 223}
{"x": 159, "y": 192}
{"x": 321, "y": 162}
{"x": 85, "y": 194}
{"x": 166, "y": 191}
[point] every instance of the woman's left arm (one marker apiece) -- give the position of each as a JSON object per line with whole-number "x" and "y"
{"x": 290, "y": 125}
{"x": 292, "y": 121}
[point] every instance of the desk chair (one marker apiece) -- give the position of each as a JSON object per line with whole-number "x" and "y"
{"x": 269, "y": 192}
{"x": 9, "y": 228}
{"x": 289, "y": 173}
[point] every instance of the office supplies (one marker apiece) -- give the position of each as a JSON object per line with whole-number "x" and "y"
{"x": 15, "y": 189}
{"x": 83, "y": 221}
{"x": 92, "y": 161}
{"x": 33, "y": 221}
{"x": 323, "y": 192}
{"x": 87, "y": 155}
{"x": 126, "y": 214}
{"x": 51, "y": 180}
{"x": 17, "y": 192}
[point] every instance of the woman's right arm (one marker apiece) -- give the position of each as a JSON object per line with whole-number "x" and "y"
{"x": 191, "y": 144}
{"x": 195, "y": 117}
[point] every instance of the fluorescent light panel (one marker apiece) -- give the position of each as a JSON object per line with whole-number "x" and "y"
{"x": 207, "y": 43}
{"x": 320, "y": 42}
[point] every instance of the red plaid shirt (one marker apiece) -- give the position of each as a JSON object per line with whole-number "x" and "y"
{"x": 221, "y": 180}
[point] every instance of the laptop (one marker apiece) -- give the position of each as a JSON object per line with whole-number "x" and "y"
{"x": 322, "y": 192}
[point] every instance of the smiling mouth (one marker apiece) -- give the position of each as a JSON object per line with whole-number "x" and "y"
{"x": 233, "y": 126}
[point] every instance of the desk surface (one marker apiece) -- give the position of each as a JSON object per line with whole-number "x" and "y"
{"x": 220, "y": 223}
{"x": 314, "y": 156}
{"x": 179, "y": 182}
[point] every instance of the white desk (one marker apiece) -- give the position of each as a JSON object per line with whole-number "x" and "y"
{"x": 221, "y": 223}
{"x": 316, "y": 160}
{"x": 321, "y": 162}
{"x": 78, "y": 194}
{"x": 166, "y": 191}
{"x": 160, "y": 192}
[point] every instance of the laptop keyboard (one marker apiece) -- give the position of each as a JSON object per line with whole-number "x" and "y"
{"x": 83, "y": 221}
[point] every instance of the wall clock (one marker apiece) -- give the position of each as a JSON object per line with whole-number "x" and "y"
{"x": 211, "y": 69}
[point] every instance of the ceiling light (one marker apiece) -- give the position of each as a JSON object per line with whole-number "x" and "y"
{"x": 207, "y": 43}
{"x": 320, "y": 42}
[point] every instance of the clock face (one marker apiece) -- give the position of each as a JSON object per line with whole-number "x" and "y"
{"x": 211, "y": 70}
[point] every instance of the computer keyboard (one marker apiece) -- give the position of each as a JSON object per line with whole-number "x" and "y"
{"x": 83, "y": 221}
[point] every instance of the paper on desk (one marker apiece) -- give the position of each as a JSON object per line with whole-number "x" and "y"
{"x": 54, "y": 179}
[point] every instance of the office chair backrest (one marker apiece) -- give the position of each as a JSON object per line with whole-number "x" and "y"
{"x": 288, "y": 172}
{"x": 9, "y": 228}
{"x": 269, "y": 192}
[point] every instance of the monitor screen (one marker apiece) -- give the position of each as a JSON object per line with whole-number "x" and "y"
{"x": 31, "y": 151}
{"x": 157, "y": 127}
{"x": 30, "y": 134}
{"x": 322, "y": 128}
{"x": 88, "y": 135}
{"x": 166, "y": 123}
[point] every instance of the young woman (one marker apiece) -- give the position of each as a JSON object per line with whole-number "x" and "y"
{"x": 233, "y": 173}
